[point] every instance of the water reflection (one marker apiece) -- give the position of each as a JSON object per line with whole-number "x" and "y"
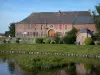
{"x": 10, "y": 67}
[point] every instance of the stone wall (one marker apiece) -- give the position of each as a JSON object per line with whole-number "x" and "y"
{"x": 81, "y": 37}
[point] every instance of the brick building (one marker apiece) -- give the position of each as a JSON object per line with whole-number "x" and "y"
{"x": 47, "y": 24}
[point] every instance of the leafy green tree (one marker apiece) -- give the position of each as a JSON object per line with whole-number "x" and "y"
{"x": 6, "y": 33}
{"x": 12, "y": 29}
{"x": 70, "y": 38}
{"x": 73, "y": 32}
{"x": 97, "y": 18}
{"x": 11, "y": 67}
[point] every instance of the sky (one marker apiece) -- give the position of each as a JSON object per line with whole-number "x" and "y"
{"x": 16, "y": 10}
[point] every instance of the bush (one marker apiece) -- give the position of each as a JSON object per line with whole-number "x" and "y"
{"x": 47, "y": 40}
{"x": 89, "y": 41}
{"x": 56, "y": 39}
{"x": 17, "y": 40}
{"x": 52, "y": 42}
{"x": 61, "y": 41}
{"x": 0, "y": 39}
{"x": 4, "y": 41}
{"x": 39, "y": 40}
{"x": 69, "y": 39}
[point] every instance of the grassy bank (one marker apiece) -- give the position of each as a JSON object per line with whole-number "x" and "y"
{"x": 31, "y": 62}
{"x": 50, "y": 61}
{"x": 60, "y": 48}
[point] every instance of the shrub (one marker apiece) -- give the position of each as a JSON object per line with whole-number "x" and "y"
{"x": 52, "y": 42}
{"x": 39, "y": 40}
{"x": 4, "y": 41}
{"x": 47, "y": 40}
{"x": 17, "y": 40}
{"x": 61, "y": 41}
{"x": 69, "y": 39}
{"x": 56, "y": 39}
{"x": 89, "y": 41}
{"x": 96, "y": 37}
{"x": 0, "y": 39}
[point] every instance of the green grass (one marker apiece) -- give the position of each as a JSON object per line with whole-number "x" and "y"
{"x": 48, "y": 61}
{"x": 27, "y": 62}
{"x": 62, "y": 48}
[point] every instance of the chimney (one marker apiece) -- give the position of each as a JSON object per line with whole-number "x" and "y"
{"x": 89, "y": 10}
{"x": 59, "y": 12}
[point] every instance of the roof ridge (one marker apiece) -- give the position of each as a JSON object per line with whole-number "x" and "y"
{"x": 53, "y": 17}
{"x": 58, "y": 11}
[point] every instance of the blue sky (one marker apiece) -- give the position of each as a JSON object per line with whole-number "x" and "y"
{"x": 16, "y": 10}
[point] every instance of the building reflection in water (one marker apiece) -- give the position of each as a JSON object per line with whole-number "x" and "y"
{"x": 72, "y": 69}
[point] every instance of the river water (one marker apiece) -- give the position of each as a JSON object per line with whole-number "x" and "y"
{"x": 10, "y": 67}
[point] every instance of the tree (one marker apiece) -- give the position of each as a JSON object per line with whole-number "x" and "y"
{"x": 70, "y": 38}
{"x": 97, "y": 18}
{"x": 73, "y": 32}
{"x": 11, "y": 31}
{"x": 6, "y": 33}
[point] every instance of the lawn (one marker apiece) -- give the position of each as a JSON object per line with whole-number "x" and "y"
{"x": 60, "y": 48}
{"x": 49, "y": 61}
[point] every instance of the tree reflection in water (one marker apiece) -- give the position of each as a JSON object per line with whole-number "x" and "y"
{"x": 11, "y": 67}
{"x": 71, "y": 69}
{"x": 92, "y": 69}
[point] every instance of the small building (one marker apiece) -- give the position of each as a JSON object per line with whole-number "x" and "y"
{"x": 83, "y": 34}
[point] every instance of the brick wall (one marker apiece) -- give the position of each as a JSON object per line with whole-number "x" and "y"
{"x": 41, "y": 30}
{"x": 89, "y": 26}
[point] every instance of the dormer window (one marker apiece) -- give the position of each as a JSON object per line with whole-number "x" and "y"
{"x": 51, "y": 26}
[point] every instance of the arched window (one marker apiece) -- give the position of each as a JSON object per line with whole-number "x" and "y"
{"x": 51, "y": 26}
